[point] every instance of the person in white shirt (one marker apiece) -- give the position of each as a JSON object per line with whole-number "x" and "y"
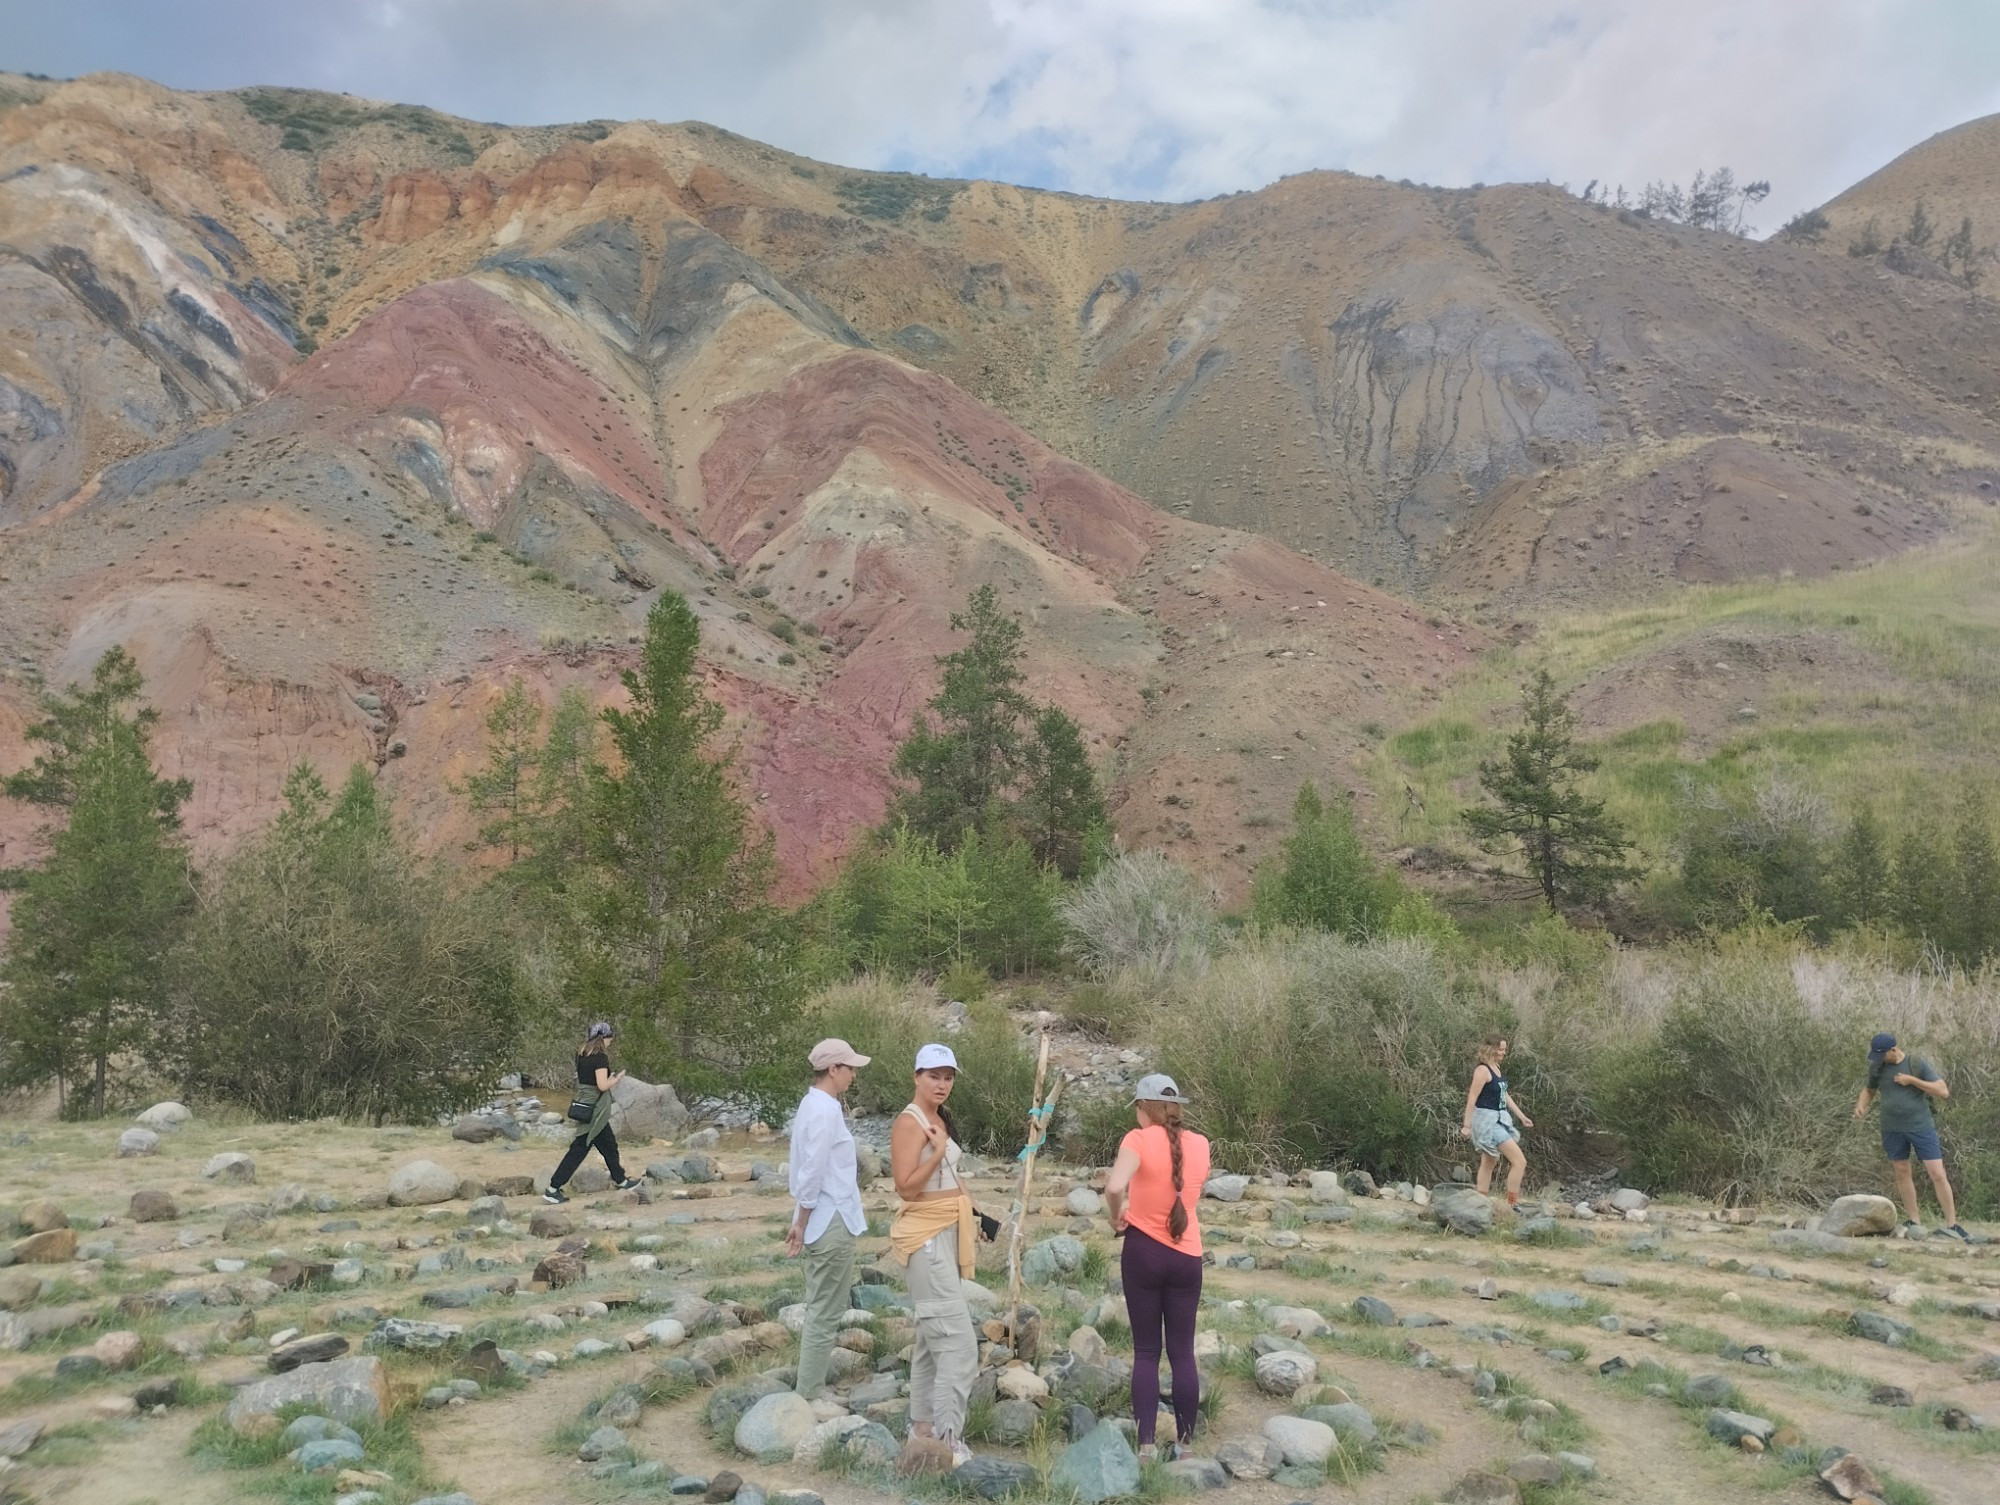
{"x": 826, "y": 1184}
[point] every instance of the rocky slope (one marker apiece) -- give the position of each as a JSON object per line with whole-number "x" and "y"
{"x": 1956, "y": 173}
{"x": 543, "y": 390}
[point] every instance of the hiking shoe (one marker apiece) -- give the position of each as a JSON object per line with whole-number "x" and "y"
{"x": 630, "y": 1183}
{"x": 1957, "y": 1231}
{"x": 554, "y": 1196}
{"x": 960, "y": 1454}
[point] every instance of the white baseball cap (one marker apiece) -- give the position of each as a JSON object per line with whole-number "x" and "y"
{"x": 932, "y": 1057}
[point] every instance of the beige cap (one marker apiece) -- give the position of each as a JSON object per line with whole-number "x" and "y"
{"x": 829, "y": 1053}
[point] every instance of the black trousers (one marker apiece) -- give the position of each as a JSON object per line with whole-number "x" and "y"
{"x": 607, "y": 1146}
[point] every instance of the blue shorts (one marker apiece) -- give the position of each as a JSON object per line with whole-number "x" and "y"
{"x": 1898, "y": 1143}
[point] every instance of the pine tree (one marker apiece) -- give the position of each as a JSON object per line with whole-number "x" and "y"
{"x": 86, "y": 963}
{"x": 504, "y": 786}
{"x": 1921, "y": 228}
{"x": 1574, "y": 852}
{"x": 682, "y": 945}
{"x": 1061, "y": 811}
{"x": 334, "y": 971}
{"x": 1322, "y": 875}
{"x": 1974, "y": 926}
{"x": 1922, "y": 897}
{"x": 969, "y": 764}
{"x": 1859, "y": 879}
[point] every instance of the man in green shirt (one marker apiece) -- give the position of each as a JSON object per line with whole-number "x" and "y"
{"x": 1907, "y": 1086}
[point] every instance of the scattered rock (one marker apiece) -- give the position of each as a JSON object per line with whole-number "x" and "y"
{"x": 1733, "y": 1426}
{"x": 1464, "y": 1212}
{"x": 135, "y": 1142}
{"x": 1051, "y": 1257}
{"x": 479, "y": 1128}
{"x": 352, "y": 1390}
{"x": 559, "y": 1269}
{"x": 1708, "y": 1389}
{"x": 1484, "y": 1489}
{"x": 149, "y": 1205}
{"x": 995, "y": 1478}
{"x": 1286, "y": 1372}
{"x": 1890, "y": 1395}
{"x": 1257, "y": 1458}
{"x": 1098, "y": 1466}
{"x": 164, "y": 1118}
{"x": 1226, "y": 1188}
{"x": 1851, "y": 1479}
{"x": 412, "y": 1336}
{"x": 55, "y": 1247}
{"x": 421, "y": 1183}
{"x": 1374, "y": 1309}
{"x": 1598, "y": 1275}
{"x": 774, "y": 1425}
{"x": 550, "y": 1222}
{"x": 1877, "y": 1328}
{"x": 316, "y": 1349}
{"x": 1536, "y": 1468}
{"x": 1083, "y": 1202}
{"x": 19, "y": 1289}
{"x": 1860, "y": 1216}
{"x": 601, "y": 1443}
{"x": 1300, "y": 1440}
{"x": 232, "y": 1166}
{"x": 1626, "y": 1199}
{"x": 1197, "y": 1475}
{"x": 118, "y": 1350}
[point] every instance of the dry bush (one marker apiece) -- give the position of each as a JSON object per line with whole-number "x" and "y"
{"x": 1141, "y": 917}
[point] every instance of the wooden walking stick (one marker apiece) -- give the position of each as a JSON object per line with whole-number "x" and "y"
{"x": 1041, "y": 1112}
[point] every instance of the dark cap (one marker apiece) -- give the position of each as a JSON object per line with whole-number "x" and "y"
{"x": 1881, "y": 1045}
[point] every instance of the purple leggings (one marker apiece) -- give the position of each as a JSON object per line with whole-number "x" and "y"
{"x": 1162, "y": 1294}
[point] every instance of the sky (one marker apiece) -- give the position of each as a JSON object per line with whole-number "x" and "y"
{"x": 1173, "y": 99}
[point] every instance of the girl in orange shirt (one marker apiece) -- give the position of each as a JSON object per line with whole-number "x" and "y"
{"x": 1154, "y": 1185}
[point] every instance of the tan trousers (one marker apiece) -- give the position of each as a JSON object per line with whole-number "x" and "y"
{"x": 947, "y": 1349}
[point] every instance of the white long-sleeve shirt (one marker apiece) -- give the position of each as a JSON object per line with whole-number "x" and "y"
{"x": 825, "y": 1176}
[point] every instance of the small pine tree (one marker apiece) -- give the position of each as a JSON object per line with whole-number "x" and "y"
{"x": 334, "y": 971}
{"x": 1061, "y": 809}
{"x": 1808, "y": 227}
{"x": 966, "y": 768}
{"x": 1574, "y": 852}
{"x": 1859, "y": 878}
{"x": 1921, "y": 228}
{"x": 86, "y": 963}
{"x": 1974, "y": 925}
{"x": 681, "y": 943}
{"x": 1922, "y": 898}
{"x": 1322, "y": 876}
{"x": 504, "y": 786}
{"x": 1868, "y": 242}
{"x": 1962, "y": 252}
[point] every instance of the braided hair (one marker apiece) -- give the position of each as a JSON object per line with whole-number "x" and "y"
{"x": 1168, "y": 1116}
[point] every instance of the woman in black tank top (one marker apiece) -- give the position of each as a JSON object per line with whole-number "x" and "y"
{"x": 1491, "y": 1116}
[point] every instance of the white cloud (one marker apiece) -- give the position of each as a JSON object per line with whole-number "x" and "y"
{"x": 1170, "y": 98}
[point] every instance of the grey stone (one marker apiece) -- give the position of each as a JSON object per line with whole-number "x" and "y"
{"x": 1351, "y": 1423}
{"x": 774, "y": 1424}
{"x": 1597, "y": 1275}
{"x": 1300, "y": 1440}
{"x": 646, "y": 1110}
{"x": 420, "y": 1183}
{"x": 353, "y": 1390}
{"x": 1198, "y": 1475}
{"x": 328, "y": 1454}
{"x": 1626, "y": 1199}
{"x": 1578, "y": 1465}
{"x": 316, "y": 1349}
{"x": 992, "y": 1478}
{"x": 1708, "y": 1389}
{"x": 1013, "y": 1422}
{"x": 1729, "y": 1426}
{"x": 1374, "y": 1309}
{"x": 478, "y": 1128}
{"x": 1051, "y": 1258}
{"x": 1480, "y": 1488}
{"x": 1250, "y": 1460}
{"x": 871, "y": 1445}
{"x": 1464, "y": 1212}
{"x": 1098, "y": 1466}
{"x": 305, "y": 1429}
{"x": 164, "y": 1118}
{"x": 1860, "y": 1216}
{"x": 1558, "y": 1301}
{"x": 601, "y": 1443}
{"x": 231, "y": 1165}
{"x": 1536, "y": 1468}
{"x": 1880, "y": 1329}
{"x": 136, "y": 1141}
{"x": 1529, "y": 1229}
{"x": 1226, "y": 1188}
{"x": 1286, "y": 1372}
{"x": 412, "y": 1336}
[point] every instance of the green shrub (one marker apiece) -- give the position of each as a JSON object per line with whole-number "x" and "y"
{"x": 964, "y": 981}
{"x": 904, "y": 905}
{"x": 1115, "y": 1011}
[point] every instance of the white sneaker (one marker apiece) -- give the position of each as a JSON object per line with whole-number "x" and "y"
{"x": 960, "y": 1453}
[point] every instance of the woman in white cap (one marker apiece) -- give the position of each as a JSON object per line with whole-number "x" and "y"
{"x": 1154, "y": 1186}
{"x": 933, "y": 1235}
{"x": 826, "y": 1184}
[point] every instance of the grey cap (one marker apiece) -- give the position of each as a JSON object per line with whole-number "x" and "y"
{"x": 1157, "y": 1088}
